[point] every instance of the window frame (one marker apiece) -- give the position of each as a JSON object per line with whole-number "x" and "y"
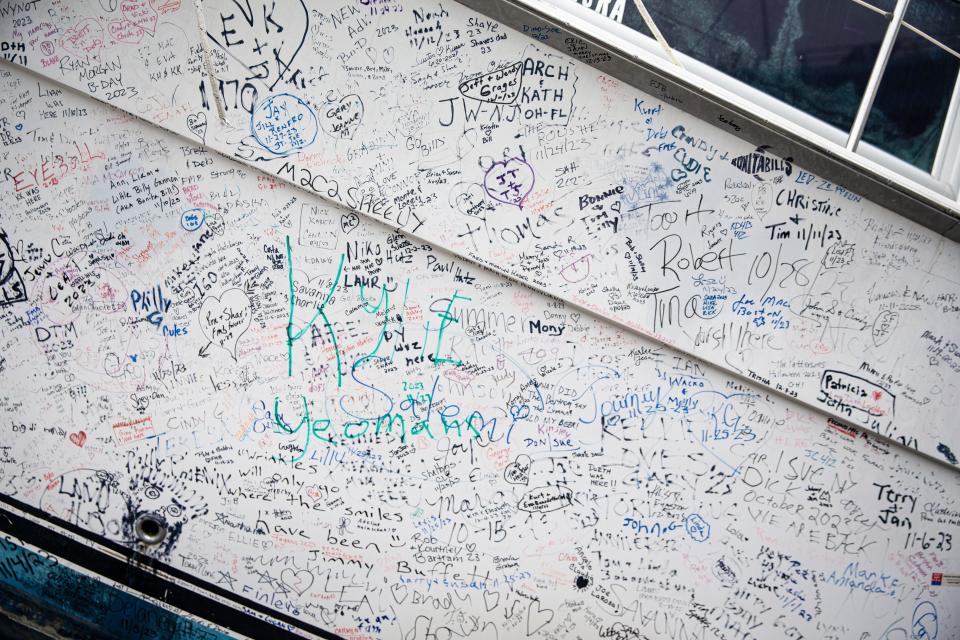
{"x": 941, "y": 185}
{"x": 946, "y": 166}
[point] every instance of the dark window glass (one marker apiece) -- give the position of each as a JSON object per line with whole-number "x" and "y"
{"x": 939, "y": 19}
{"x": 815, "y": 55}
{"x": 911, "y": 105}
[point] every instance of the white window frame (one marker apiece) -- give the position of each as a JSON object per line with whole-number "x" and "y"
{"x": 946, "y": 166}
{"x": 941, "y": 185}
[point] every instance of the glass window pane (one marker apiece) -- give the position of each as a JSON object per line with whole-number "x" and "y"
{"x": 939, "y": 19}
{"x": 815, "y": 55}
{"x": 911, "y": 104}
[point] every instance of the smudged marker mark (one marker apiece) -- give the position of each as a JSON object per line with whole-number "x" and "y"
{"x": 947, "y": 453}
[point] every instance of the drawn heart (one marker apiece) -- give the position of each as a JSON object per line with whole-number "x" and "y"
{"x": 240, "y": 33}
{"x": 223, "y": 320}
{"x": 509, "y": 181}
{"x": 575, "y": 317}
{"x": 340, "y": 119}
{"x": 349, "y": 222}
{"x": 84, "y": 39}
{"x": 399, "y": 588}
{"x": 537, "y": 618}
{"x": 488, "y": 596}
{"x": 388, "y": 54}
{"x": 140, "y": 13}
{"x": 78, "y": 438}
{"x": 518, "y": 471}
{"x": 197, "y": 123}
{"x": 371, "y": 53}
{"x": 299, "y": 581}
{"x": 125, "y": 31}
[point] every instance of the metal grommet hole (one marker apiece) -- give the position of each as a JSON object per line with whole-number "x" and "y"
{"x": 150, "y": 528}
